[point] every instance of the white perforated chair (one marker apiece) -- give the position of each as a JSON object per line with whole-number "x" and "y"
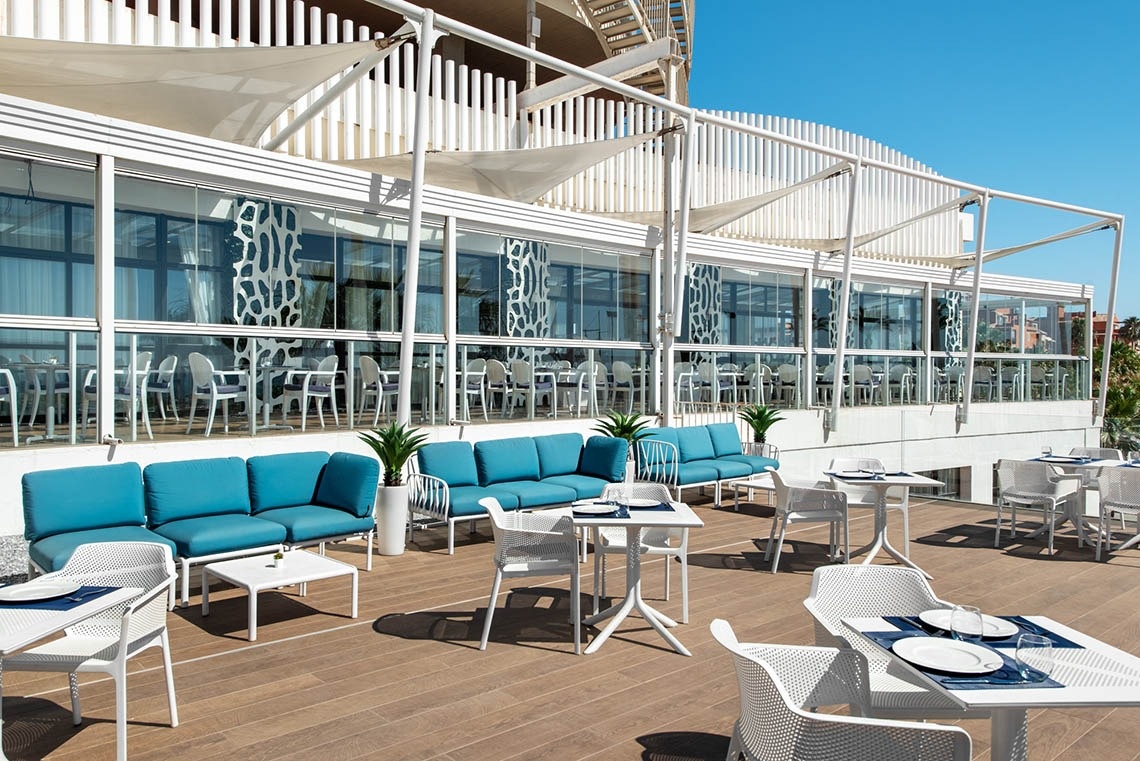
{"x": 212, "y": 387}
{"x": 161, "y": 384}
{"x": 898, "y": 497}
{"x": 781, "y": 684}
{"x": 533, "y": 544}
{"x": 105, "y": 642}
{"x": 671, "y": 543}
{"x": 1035, "y": 484}
{"x": 858, "y": 591}
{"x": 1119, "y": 495}
{"x": 801, "y": 503}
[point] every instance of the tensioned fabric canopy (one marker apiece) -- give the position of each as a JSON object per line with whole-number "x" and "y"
{"x": 523, "y": 175}
{"x": 229, "y": 94}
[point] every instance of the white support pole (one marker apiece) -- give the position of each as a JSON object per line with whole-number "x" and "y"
{"x": 832, "y": 423}
{"x": 427, "y": 37}
{"x": 451, "y": 367}
{"x": 1106, "y": 359}
{"x": 687, "y": 168}
{"x": 105, "y": 295}
{"x": 968, "y": 377}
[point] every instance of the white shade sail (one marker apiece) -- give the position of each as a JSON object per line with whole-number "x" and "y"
{"x": 522, "y": 175}
{"x": 229, "y": 94}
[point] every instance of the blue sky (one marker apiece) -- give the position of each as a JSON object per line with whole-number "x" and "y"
{"x": 1040, "y": 98}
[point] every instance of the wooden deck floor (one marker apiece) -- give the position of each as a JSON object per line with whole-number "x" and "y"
{"x": 406, "y": 680}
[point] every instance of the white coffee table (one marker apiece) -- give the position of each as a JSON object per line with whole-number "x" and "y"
{"x": 257, "y": 573}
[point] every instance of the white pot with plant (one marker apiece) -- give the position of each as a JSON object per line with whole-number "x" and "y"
{"x": 394, "y": 445}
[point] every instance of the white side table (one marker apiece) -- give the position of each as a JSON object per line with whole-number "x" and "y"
{"x": 257, "y": 573}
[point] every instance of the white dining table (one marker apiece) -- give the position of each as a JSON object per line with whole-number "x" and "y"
{"x": 681, "y": 516}
{"x": 881, "y": 483}
{"x": 21, "y": 627}
{"x": 1094, "y": 675}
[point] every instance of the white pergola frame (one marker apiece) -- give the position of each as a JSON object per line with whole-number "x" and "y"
{"x": 430, "y": 26}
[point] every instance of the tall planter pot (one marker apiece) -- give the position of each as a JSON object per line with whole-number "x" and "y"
{"x": 391, "y": 519}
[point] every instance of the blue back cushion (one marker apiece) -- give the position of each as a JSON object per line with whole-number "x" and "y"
{"x": 604, "y": 457}
{"x": 284, "y": 480}
{"x": 558, "y": 454}
{"x": 664, "y": 433}
{"x": 694, "y": 443}
{"x": 349, "y": 483}
{"x": 453, "y": 461}
{"x": 725, "y": 439}
{"x": 195, "y": 489}
{"x": 80, "y": 499}
{"x": 504, "y": 460}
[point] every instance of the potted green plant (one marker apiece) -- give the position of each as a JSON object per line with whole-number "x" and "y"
{"x": 393, "y": 444}
{"x": 631, "y": 427}
{"x": 760, "y": 417}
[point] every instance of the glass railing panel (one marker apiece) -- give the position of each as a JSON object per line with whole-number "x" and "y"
{"x": 41, "y": 385}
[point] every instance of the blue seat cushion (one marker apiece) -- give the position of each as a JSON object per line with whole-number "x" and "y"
{"x": 604, "y": 457}
{"x": 305, "y": 523}
{"x": 349, "y": 483}
{"x": 452, "y": 461}
{"x": 586, "y": 487}
{"x": 185, "y": 489}
{"x": 756, "y": 462}
{"x": 687, "y": 473}
{"x": 725, "y": 467}
{"x": 80, "y": 499}
{"x": 538, "y": 493}
{"x": 725, "y": 439}
{"x": 558, "y": 454}
{"x": 198, "y": 537}
{"x": 52, "y": 552}
{"x": 655, "y": 455}
{"x": 694, "y": 443}
{"x": 284, "y": 480}
{"x": 499, "y": 460}
{"x": 464, "y": 500}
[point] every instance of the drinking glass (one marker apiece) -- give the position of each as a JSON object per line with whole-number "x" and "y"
{"x": 1034, "y": 657}
{"x": 1133, "y": 458}
{"x": 879, "y": 471}
{"x": 1046, "y": 450}
{"x": 965, "y": 622}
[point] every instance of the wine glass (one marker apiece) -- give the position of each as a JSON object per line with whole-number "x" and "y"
{"x": 966, "y": 622}
{"x": 1133, "y": 458}
{"x": 878, "y": 471}
{"x": 1034, "y": 657}
{"x": 1046, "y": 450}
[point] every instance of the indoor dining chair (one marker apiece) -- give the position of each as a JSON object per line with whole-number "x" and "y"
{"x": 9, "y": 394}
{"x": 161, "y": 384}
{"x": 212, "y": 386}
{"x": 304, "y": 386}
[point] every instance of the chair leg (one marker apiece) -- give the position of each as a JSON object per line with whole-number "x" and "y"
{"x": 684, "y": 586}
{"x": 575, "y": 609}
{"x": 906, "y": 531}
{"x": 779, "y": 544}
{"x": 666, "y": 577}
{"x": 491, "y": 609}
{"x": 73, "y": 689}
{"x": 599, "y": 574}
{"x": 120, "y": 675}
{"x": 169, "y": 669}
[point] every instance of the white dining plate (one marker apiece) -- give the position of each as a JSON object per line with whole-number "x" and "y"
{"x": 594, "y": 509}
{"x": 584, "y": 502}
{"x": 853, "y": 474}
{"x": 1060, "y": 458}
{"x": 949, "y": 655}
{"x": 637, "y": 502}
{"x": 991, "y": 625}
{"x": 37, "y": 590}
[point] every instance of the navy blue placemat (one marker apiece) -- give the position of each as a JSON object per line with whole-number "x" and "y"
{"x": 618, "y": 512}
{"x": 663, "y": 507}
{"x": 82, "y": 595}
{"x": 1007, "y": 677}
{"x": 1023, "y": 626}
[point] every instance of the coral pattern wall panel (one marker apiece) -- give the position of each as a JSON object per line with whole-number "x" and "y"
{"x": 267, "y": 283}
{"x": 704, "y": 307}
{"x": 527, "y": 298}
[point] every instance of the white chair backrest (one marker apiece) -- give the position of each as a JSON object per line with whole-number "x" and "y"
{"x": 851, "y": 591}
{"x": 682, "y": 368}
{"x": 1119, "y": 487}
{"x": 862, "y": 374}
{"x": 369, "y": 371}
{"x": 1022, "y": 478}
{"x": 201, "y": 370}
{"x": 328, "y": 364}
{"x": 477, "y": 365}
{"x": 623, "y": 373}
{"x": 1097, "y": 453}
{"x": 983, "y": 374}
{"x": 898, "y": 372}
{"x": 521, "y": 371}
{"x": 707, "y": 372}
{"x": 496, "y": 372}
{"x": 166, "y": 367}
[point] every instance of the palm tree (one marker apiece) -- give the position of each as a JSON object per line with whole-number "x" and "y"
{"x": 1129, "y": 330}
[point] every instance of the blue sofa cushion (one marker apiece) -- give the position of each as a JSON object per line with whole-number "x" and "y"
{"x": 586, "y": 487}
{"x": 284, "y": 480}
{"x": 499, "y": 460}
{"x": 725, "y": 439}
{"x": 185, "y": 489}
{"x": 452, "y": 461}
{"x": 694, "y": 443}
{"x": 538, "y": 493}
{"x": 349, "y": 483}
{"x": 305, "y": 523}
{"x": 464, "y": 500}
{"x": 80, "y": 499}
{"x": 197, "y": 537}
{"x": 52, "y": 552}
{"x": 558, "y": 454}
{"x": 756, "y": 462}
{"x": 725, "y": 467}
{"x": 687, "y": 473}
{"x": 604, "y": 457}
{"x": 656, "y": 456}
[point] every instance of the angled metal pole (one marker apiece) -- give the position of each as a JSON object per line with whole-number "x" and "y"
{"x": 427, "y": 38}
{"x": 687, "y": 169}
{"x": 832, "y": 422}
{"x": 967, "y": 379}
{"x": 1106, "y": 359}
